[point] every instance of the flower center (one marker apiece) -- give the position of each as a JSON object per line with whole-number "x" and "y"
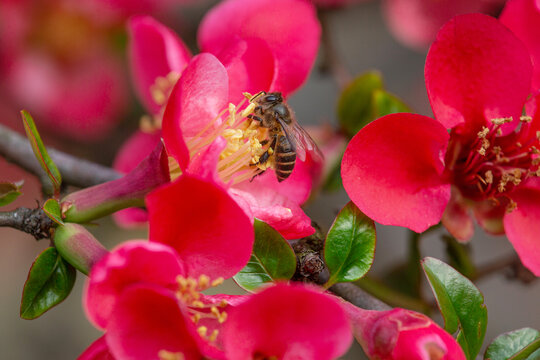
{"x": 246, "y": 142}
{"x": 160, "y": 91}
{"x": 189, "y": 293}
{"x": 491, "y": 165}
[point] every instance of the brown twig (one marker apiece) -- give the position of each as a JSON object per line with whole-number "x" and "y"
{"x": 359, "y": 297}
{"x": 31, "y": 221}
{"x": 75, "y": 171}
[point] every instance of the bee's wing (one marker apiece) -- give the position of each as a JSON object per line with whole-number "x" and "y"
{"x": 301, "y": 141}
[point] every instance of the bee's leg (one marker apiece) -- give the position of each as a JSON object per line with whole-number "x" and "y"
{"x": 257, "y": 95}
{"x": 255, "y": 118}
{"x": 264, "y": 157}
{"x": 264, "y": 142}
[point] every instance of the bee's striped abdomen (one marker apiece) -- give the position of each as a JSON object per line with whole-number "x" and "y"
{"x": 285, "y": 158}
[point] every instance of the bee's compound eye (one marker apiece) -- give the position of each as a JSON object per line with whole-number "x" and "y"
{"x": 271, "y": 98}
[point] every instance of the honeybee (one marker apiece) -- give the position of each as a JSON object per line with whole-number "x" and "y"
{"x": 289, "y": 140}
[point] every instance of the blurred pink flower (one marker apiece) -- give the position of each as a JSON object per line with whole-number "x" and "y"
{"x": 416, "y": 22}
{"x": 407, "y": 170}
{"x": 523, "y": 18}
{"x": 58, "y": 65}
{"x": 335, "y": 3}
{"x": 401, "y": 334}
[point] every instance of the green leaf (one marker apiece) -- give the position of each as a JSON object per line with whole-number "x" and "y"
{"x": 350, "y": 245}
{"x": 272, "y": 259}
{"x": 461, "y": 304}
{"x": 52, "y": 209}
{"x": 354, "y": 105}
{"x": 384, "y": 103}
{"x": 9, "y": 192}
{"x": 49, "y": 282}
{"x": 41, "y": 152}
{"x": 510, "y": 343}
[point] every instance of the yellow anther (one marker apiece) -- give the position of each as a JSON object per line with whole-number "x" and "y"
{"x": 488, "y": 177}
{"x": 197, "y": 304}
{"x": 214, "y": 335}
{"x": 217, "y": 282}
{"x": 202, "y": 330}
{"x": 500, "y": 121}
{"x": 222, "y": 317}
{"x": 511, "y": 206}
{"x": 157, "y": 95}
{"x": 168, "y": 355}
{"x": 483, "y": 133}
{"x": 538, "y": 135}
{"x": 173, "y": 78}
{"x": 196, "y": 318}
{"x": 248, "y": 110}
{"x": 526, "y": 119}
{"x": 223, "y": 303}
{"x": 214, "y": 310}
{"x": 204, "y": 282}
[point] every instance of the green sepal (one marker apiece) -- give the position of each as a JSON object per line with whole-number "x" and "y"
{"x": 53, "y": 211}
{"x": 272, "y": 259}
{"x": 49, "y": 282}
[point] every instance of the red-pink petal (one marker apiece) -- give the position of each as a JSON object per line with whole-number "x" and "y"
{"x": 475, "y": 71}
{"x": 130, "y": 263}
{"x": 198, "y": 97}
{"x": 154, "y": 50}
{"x": 294, "y": 49}
{"x": 522, "y": 226}
{"x": 523, "y": 17}
{"x": 250, "y": 65}
{"x": 456, "y": 218}
{"x": 147, "y": 320}
{"x": 287, "y": 322}
{"x": 210, "y": 232}
{"x": 275, "y": 209}
{"x": 416, "y": 22}
{"x": 392, "y": 170}
{"x": 98, "y": 350}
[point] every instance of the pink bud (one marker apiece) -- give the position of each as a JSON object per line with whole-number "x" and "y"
{"x": 401, "y": 334}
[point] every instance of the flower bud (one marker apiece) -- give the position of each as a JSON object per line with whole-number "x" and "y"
{"x": 129, "y": 191}
{"x": 78, "y": 247}
{"x": 401, "y": 334}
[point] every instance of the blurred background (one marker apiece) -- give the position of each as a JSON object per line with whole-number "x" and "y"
{"x": 63, "y": 61}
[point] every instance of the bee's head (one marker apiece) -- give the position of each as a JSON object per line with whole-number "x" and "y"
{"x": 273, "y": 98}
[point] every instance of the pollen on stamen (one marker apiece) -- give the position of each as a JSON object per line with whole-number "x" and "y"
{"x": 501, "y": 121}
{"x": 526, "y": 119}
{"x": 168, "y": 355}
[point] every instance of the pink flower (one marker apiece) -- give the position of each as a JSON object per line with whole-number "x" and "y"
{"x": 401, "y": 334}
{"x": 56, "y": 64}
{"x": 251, "y": 58}
{"x": 208, "y": 138}
{"x": 416, "y": 22}
{"x": 143, "y": 296}
{"x": 523, "y": 18}
{"x": 407, "y": 170}
{"x": 287, "y": 322}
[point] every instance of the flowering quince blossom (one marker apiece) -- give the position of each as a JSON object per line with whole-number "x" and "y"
{"x": 206, "y": 137}
{"x": 401, "y": 334}
{"x": 416, "y": 22}
{"x": 251, "y": 58}
{"x": 149, "y": 303}
{"x": 407, "y": 170}
{"x": 523, "y": 18}
{"x": 57, "y": 63}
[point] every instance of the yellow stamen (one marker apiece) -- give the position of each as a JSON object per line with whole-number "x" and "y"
{"x": 168, "y": 355}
